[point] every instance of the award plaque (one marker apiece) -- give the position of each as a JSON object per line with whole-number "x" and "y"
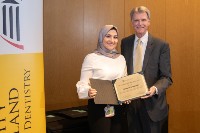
{"x": 130, "y": 87}
{"x": 125, "y": 88}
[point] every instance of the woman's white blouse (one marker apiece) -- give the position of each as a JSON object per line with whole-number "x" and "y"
{"x": 99, "y": 67}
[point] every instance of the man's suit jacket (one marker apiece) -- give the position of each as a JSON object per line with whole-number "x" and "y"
{"x": 156, "y": 70}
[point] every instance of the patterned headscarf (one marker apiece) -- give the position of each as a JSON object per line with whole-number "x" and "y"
{"x": 100, "y": 47}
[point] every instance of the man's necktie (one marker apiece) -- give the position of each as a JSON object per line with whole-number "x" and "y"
{"x": 138, "y": 57}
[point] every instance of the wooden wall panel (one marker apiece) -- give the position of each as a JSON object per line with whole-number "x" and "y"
{"x": 98, "y": 13}
{"x": 158, "y": 18}
{"x": 182, "y": 31}
{"x": 63, "y": 49}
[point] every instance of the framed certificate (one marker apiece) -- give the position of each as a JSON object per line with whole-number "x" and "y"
{"x": 125, "y": 88}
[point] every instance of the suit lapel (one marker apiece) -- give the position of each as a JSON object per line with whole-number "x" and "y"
{"x": 148, "y": 51}
{"x": 131, "y": 47}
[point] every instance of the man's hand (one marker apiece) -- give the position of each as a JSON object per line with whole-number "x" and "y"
{"x": 149, "y": 93}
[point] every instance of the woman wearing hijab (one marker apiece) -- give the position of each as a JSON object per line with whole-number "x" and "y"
{"x": 107, "y": 64}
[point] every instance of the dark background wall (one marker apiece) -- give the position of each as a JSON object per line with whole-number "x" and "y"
{"x": 70, "y": 32}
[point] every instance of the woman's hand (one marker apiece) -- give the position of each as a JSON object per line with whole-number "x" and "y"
{"x": 92, "y": 93}
{"x": 127, "y": 101}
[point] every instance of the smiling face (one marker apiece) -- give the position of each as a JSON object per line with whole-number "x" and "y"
{"x": 110, "y": 40}
{"x": 140, "y": 22}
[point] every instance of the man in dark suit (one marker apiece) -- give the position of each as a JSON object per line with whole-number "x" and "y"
{"x": 149, "y": 113}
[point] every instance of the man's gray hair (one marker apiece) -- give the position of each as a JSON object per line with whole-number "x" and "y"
{"x": 140, "y": 9}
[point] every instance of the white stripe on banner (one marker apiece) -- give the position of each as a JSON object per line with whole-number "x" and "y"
{"x": 21, "y": 26}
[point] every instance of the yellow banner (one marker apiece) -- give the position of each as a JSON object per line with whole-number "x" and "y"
{"x": 22, "y": 108}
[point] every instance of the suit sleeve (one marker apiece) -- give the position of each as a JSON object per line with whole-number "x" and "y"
{"x": 165, "y": 70}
